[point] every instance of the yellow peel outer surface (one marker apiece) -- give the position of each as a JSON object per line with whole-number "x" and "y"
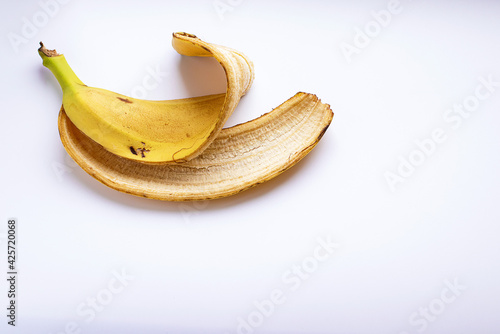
{"x": 239, "y": 158}
{"x": 147, "y": 131}
{"x": 157, "y": 132}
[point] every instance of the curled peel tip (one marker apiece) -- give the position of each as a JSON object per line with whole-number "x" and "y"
{"x": 184, "y": 34}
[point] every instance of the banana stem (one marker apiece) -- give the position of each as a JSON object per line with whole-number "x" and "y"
{"x": 58, "y": 65}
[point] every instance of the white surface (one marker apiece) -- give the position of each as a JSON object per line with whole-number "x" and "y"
{"x": 201, "y": 267}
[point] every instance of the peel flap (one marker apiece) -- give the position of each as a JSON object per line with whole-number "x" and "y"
{"x": 239, "y": 75}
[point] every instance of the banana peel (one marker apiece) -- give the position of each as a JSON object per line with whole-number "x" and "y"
{"x": 230, "y": 160}
{"x": 172, "y": 131}
{"x": 241, "y": 156}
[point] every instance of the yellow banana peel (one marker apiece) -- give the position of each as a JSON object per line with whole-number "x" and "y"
{"x": 177, "y": 150}
{"x": 241, "y": 156}
{"x": 154, "y": 131}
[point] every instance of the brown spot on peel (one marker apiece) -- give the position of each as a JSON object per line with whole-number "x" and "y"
{"x": 143, "y": 149}
{"x": 132, "y": 150}
{"x": 124, "y": 100}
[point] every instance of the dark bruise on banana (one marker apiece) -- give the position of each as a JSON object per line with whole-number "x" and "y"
{"x": 142, "y": 150}
{"x": 188, "y": 155}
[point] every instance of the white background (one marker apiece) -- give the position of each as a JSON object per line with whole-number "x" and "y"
{"x": 211, "y": 267}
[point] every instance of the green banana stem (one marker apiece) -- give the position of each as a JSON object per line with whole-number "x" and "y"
{"x": 58, "y": 65}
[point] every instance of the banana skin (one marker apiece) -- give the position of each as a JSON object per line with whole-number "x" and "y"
{"x": 170, "y": 131}
{"x": 176, "y": 150}
{"x": 147, "y": 131}
{"x": 240, "y": 158}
